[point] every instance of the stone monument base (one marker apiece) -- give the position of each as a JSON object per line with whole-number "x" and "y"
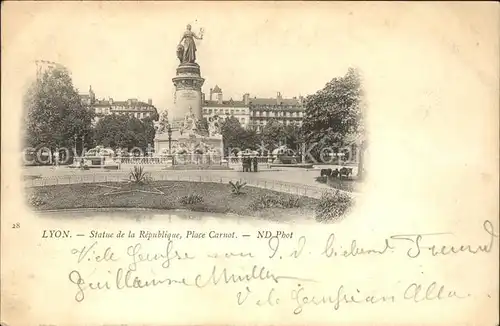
{"x": 204, "y": 149}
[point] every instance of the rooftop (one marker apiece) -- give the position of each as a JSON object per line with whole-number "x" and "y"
{"x": 230, "y": 103}
{"x": 123, "y": 103}
{"x": 274, "y": 101}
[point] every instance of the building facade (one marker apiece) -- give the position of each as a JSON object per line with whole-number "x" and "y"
{"x": 255, "y": 112}
{"x": 216, "y": 106}
{"x": 288, "y": 111}
{"x": 131, "y": 107}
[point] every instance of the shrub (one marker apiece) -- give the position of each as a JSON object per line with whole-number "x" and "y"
{"x": 139, "y": 176}
{"x": 237, "y": 187}
{"x": 191, "y": 199}
{"x": 275, "y": 201}
{"x": 332, "y": 206}
{"x": 321, "y": 179}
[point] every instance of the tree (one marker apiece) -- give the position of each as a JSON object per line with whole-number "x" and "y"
{"x": 273, "y": 134}
{"x": 54, "y": 113}
{"x": 123, "y": 131}
{"x": 249, "y": 139}
{"x": 276, "y": 133}
{"x": 149, "y": 129}
{"x": 231, "y": 132}
{"x": 334, "y": 113}
{"x": 293, "y": 136}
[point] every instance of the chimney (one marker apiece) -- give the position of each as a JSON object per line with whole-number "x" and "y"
{"x": 211, "y": 92}
{"x": 150, "y": 101}
{"x": 246, "y": 98}
{"x": 110, "y": 100}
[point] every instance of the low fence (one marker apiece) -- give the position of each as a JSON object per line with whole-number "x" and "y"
{"x": 280, "y": 186}
{"x": 180, "y": 159}
{"x": 143, "y": 160}
{"x": 197, "y": 159}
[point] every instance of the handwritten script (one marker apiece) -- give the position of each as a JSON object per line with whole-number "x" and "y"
{"x": 262, "y": 281}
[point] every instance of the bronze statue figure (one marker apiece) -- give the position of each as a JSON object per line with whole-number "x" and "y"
{"x": 186, "y": 53}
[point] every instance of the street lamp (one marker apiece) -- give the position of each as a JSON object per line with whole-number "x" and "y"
{"x": 74, "y": 145}
{"x": 169, "y": 131}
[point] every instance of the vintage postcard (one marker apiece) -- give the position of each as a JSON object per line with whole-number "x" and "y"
{"x": 250, "y": 163}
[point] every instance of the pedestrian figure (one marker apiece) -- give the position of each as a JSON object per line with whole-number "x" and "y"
{"x": 246, "y": 165}
{"x": 255, "y": 163}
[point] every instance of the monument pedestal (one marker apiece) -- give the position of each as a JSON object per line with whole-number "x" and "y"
{"x": 188, "y": 143}
{"x": 188, "y": 83}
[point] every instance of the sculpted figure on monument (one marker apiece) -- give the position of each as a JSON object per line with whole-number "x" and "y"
{"x": 186, "y": 53}
{"x": 189, "y": 124}
{"x": 211, "y": 129}
{"x": 161, "y": 126}
{"x": 214, "y": 126}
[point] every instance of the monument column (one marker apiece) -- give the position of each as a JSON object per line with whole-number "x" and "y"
{"x": 188, "y": 83}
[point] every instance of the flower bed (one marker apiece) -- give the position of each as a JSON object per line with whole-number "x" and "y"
{"x": 196, "y": 196}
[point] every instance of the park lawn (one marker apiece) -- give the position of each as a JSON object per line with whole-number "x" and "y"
{"x": 217, "y": 198}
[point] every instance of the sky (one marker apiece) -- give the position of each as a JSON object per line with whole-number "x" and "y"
{"x": 127, "y": 49}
